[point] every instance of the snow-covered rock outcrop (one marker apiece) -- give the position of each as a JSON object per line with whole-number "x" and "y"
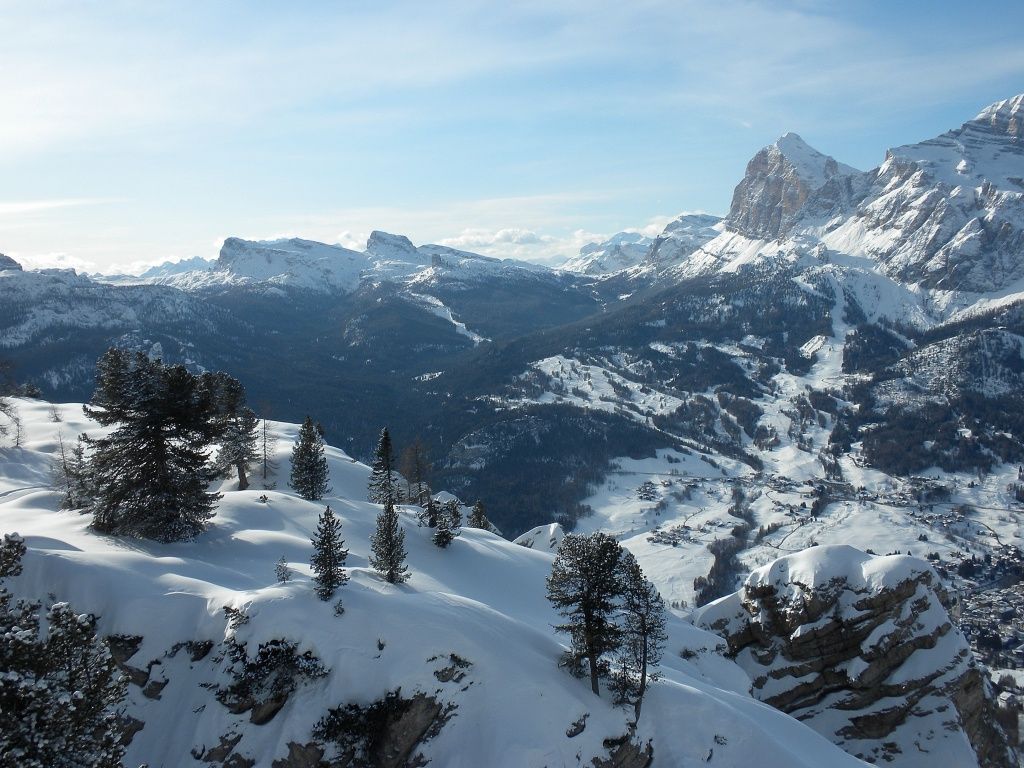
{"x": 546, "y": 538}
{"x": 862, "y": 650}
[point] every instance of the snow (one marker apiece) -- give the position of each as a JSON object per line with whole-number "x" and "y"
{"x": 620, "y": 251}
{"x": 595, "y": 387}
{"x": 482, "y": 598}
{"x": 810, "y": 164}
{"x": 436, "y": 307}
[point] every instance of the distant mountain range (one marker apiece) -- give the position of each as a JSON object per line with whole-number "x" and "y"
{"x": 912, "y": 273}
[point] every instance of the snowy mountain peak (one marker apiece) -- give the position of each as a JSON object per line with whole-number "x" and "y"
{"x": 168, "y": 268}
{"x": 1006, "y": 116}
{"x": 393, "y": 247}
{"x": 988, "y": 148}
{"x": 813, "y": 166}
{"x": 6, "y": 262}
{"x": 778, "y": 181}
{"x": 292, "y": 261}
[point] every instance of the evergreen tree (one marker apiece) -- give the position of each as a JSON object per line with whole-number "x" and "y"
{"x": 584, "y": 586}
{"x": 382, "y": 486}
{"x": 329, "y": 554}
{"x": 238, "y": 446}
{"x": 453, "y": 511}
{"x": 282, "y": 572}
{"x": 443, "y": 534}
{"x": 429, "y": 514}
{"x": 60, "y": 691}
{"x": 150, "y": 474}
{"x": 238, "y": 438}
{"x": 642, "y": 623}
{"x": 309, "y": 464}
{"x": 449, "y": 522}
{"x": 71, "y": 474}
{"x": 387, "y": 545}
{"x": 478, "y": 517}
{"x": 415, "y": 467}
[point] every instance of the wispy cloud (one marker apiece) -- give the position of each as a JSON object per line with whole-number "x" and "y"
{"x": 24, "y": 207}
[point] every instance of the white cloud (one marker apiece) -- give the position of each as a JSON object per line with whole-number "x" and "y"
{"x": 355, "y": 241}
{"x": 482, "y": 238}
{"x": 55, "y": 261}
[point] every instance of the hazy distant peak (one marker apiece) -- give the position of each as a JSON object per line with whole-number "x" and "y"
{"x": 6, "y": 262}
{"x": 168, "y": 268}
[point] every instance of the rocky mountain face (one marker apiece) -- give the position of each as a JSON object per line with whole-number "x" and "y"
{"x": 861, "y": 649}
{"x": 946, "y": 214}
{"x": 777, "y": 183}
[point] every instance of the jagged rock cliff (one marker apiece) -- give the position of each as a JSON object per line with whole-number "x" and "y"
{"x": 778, "y": 181}
{"x": 861, "y": 649}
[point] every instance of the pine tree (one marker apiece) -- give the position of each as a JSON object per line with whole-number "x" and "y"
{"x": 642, "y": 624}
{"x": 584, "y": 587}
{"x": 150, "y": 474}
{"x": 282, "y": 571}
{"x": 478, "y": 517}
{"x": 429, "y": 514}
{"x": 453, "y": 510}
{"x": 449, "y": 523}
{"x": 382, "y": 486}
{"x": 329, "y": 554}
{"x": 387, "y": 545}
{"x": 238, "y": 438}
{"x": 60, "y": 690}
{"x": 71, "y": 474}
{"x": 309, "y": 464}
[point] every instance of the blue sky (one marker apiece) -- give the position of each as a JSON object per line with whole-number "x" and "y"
{"x": 133, "y": 133}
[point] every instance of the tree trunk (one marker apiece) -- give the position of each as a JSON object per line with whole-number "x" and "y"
{"x": 588, "y": 631}
{"x": 643, "y": 683}
{"x": 243, "y": 481}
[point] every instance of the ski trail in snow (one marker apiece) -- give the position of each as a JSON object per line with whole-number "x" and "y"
{"x": 4, "y": 494}
{"x": 437, "y": 307}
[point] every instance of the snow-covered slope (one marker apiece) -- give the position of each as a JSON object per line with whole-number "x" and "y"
{"x": 470, "y": 631}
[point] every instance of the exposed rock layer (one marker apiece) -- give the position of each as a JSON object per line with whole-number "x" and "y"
{"x": 862, "y": 649}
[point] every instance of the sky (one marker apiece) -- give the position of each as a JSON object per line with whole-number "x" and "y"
{"x": 133, "y": 133}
